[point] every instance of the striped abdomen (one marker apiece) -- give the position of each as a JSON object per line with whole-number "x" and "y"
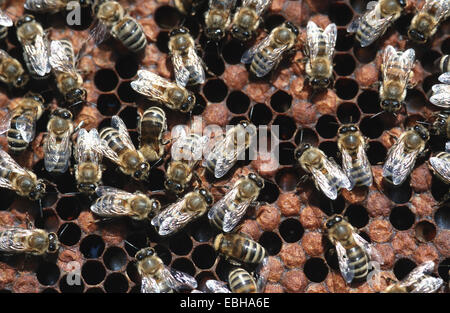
{"x": 111, "y": 136}
{"x": 360, "y": 175}
{"x": 261, "y": 64}
{"x": 16, "y": 142}
{"x": 3, "y": 32}
{"x": 109, "y": 206}
{"x": 63, "y": 156}
{"x": 151, "y": 127}
{"x": 252, "y": 252}
{"x": 358, "y": 262}
{"x": 131, "y": 34}
{"x": 241, "y": 281}
{"x": 444, "y": 64}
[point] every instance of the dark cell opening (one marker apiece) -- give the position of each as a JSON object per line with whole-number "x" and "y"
{"x": 401, "y": 218}
{"x": 376, "y": 153}
{"x": 357, "y": 215}
{"x": 425, "y": 231}
{"x": 369, "y": 102}
{"x": 180, "y": 244}
{"x": 286, "y": 151}
{"x": 271, "y": 242}
{"x": 133, "y": 273}
{"x": 286, "y": 126}
{"x": 330, "y": 149}
{"x": 371, "y": 126}
{"x": 69, "y": 234}
{"x": 346, "y": 88}
{"x": 65, "y": 287}
{"x": 105, "y": 80}
{"x": 430, "y": 81}
{"x": 238, "y": 102}
{"x": 332, "y": 259}
{"x": 443, "y": 269}
{"x": 316, "y": 270}
{"x": 136, "y": 240}
{"x": 344, "y": 41}
{"x": 126, "y": 93}
{"x": 163, "y": 253}
{"x": 415, "y": 101}
{"x": 115, "y": 258}
{"x": 438, "y": 188}
{"x": 272, "y": 21}
{"x": 162, "y": 40}
{"x": 306, "y": 135}
{"x": 204, "y": 256}
{"x": 95, "y": 290}
{"x": 200, "y": 104}
{"x": 201, "y": 230}
{"x": 281, "y": 101}
{"x": 8, "y": 197}
{"x": 156, "y": 180}
{"x": 291, "y": 230}
{"x": 344, "y": 64}
{"x": 365, "y": 55}
{"x": 167, "y": 17}
{"x": 223, "y": 268}
{"x": 93, "y": 272}
{"x": 233, "y": 51}
{"x": 108, "y": 104}
{"x": 215, "y": 90}
{"x": 348, "y": 112}
{"x": 116, "y": 283}
{"x": 184, "y": 265}
{"x": 445, "y": 46}
{"x": 47, "y": 273}
{"x": 68, "y": 208}
{"x": 403, "y": 267}
{"x": 287, "y": 179}
{"x": 214, "y": 63}
{"x": 129, "y": 117}
{"x": 260, "y": 114}
{"x": 427, "y": 60}
{"x": 442, "y": 217}
{"x": 398, "y": 194}
{"x": 92, "y": 246}
{"x": 193, "y": 26}
{"x": 202, "y": 277}
{"x": 127, "y": 67}
{"x": 327, "y": 126}
{"x": 340, "y": 13}
{"x": 269, "y": 193}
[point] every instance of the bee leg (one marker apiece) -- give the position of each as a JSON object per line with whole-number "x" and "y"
{"x": 28, "y": 221}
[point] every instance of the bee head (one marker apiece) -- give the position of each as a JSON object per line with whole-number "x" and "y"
{"x": 333, "y": 220}
{"x": 440, "y": 124}
{"x": 214, "y": 33}
{"x": 421, "y": 131}
{"x": 240, "y": 33}
{"x": 173, "y": 186}
{"x": 144, "y": 253}
{"x": 258, "y": 180}
{"x": 36, "y": 97}
{"x": 417, "y": 36}
{"x": 87, "y": 188}
{"x": 142, "y": 171}
{"x": 21, "y": 81}
{"x": 301, "y": 149}
{"x": 53, "y": 243}
{"x": 28, "y": 18}
{"x": 178, "y": 31}
{"x": 292, "y": 27}
{"x": 320, "y": 83}
{"x": 62, "y": 113}
{"x": 347, "y": 129}
{"x": 76, "y": 95}
{"x": 390, "y": 105}
{"x": 189, "y": 104}
{"x": 109, "y": 12}
{"x": 38, "y": 191}
{"x": 206, "y": 195}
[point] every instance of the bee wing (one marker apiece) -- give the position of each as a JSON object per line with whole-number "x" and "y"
{"x": 439, "y": 8}
{"x": 313, "y": 36}
{"x": 26, "y": 129}
{"x": 371, "y": 251}
{"x": 13, "y": 239}
{"x": 87, "y": 146}
{"x": 222, "y": 4}
{"x": 60, "y": 60}
{"x": 399, "y": 163}
{"x": 258, "y": 5}
{"x": 407, "y": 60}
{"x": 344, "y": 264}
{"x": 441, "y": 95}
{"x": 5, "y": 121}
{"x": 38, "y": 55}
{"x": 441, "y": 166}
{"x": 223, "y": 203}
{"x": 377, "y": 26}
{"x": 56, "y": 151}
{"x": 250, "y": 53}
{"x": 102, "y": 191}
{"x": 148, "y": 84}
{"x": 181, "y": 72}
{"x": 117, "y": 123}
{"x": 107, "y": 151}
{"x": 5, "y": 20}
{"x": 7, "y": 164}
{"x": 328, "y": 187}
{"x": 99, "y": 32}
{"x": 419, "y": 277}
{"x": 195, "y": 65}
{"x": 347, "y": 164}
{"x": 178, "y": 280}
{"x": 44, "y": 5}
{"x": 232, "y": 217}
{"x": 445, "y": 78}
{"x": 330, "y": 34}
{"x": 215, "y": 286}
{"x": 262, "y": 274}
{"x": 149, "y": 285}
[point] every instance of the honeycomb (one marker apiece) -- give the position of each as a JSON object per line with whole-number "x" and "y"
{"x": 406, "y": 223}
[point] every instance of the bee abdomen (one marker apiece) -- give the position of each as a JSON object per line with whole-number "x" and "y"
{"x": 358, "y": 262}
{"x": 444, "y": 63}
{"x": 360, "y": 175}
{"x": 217, "y": 219}
{"x": 252, "y": 252}
{"x": 62, "y": 157}
{"x": 16, "y": 142}
{"x": 111, "y": 136}
{"x": 241, "y": 282}
{"x": 131, "y": 34}
{"x": 260, "y": 64}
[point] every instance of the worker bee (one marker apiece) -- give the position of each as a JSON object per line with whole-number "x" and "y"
{"x": 157, "y": 88}
{"x": 29, "y": 240}
{"x": 52, "y": 6}
{"x": 158, "y": 278}
{"x": 22, "y": 127}
{"x": 266, "y": 55}
{"x": 68, "y": 80}
{"x": 418, "y": 281}
{"x": 5, "y": 22}
{"x": 403, "y": 154}
{"x": 88, "y": 156}
{"x": 152, "y": 126}
{"x": 352, "y": 146}
{"x": 188, "y": 66}
{"x": 397, "y": 73}
{"x": 186, "y": 152}
{"x": 328, "y": 176}
{"x": 57, "y": 144}
{"x": 22, "y": 181}
{"x": 319, "y": 52}
{"x": 444, "y": 63}
{"x": 11, "y": 71}
{"x": 118, "y": 203}
{"x": 374, "y": 23}
{"x": 440, "y": 164}
{"x": 179, "y": 214}
{"x": 228, "y": 211}
{"x": 441, "y": 124}
{"x": 441, "y": 92}
{"x": 230, "y": 148}
{"x": 354, "y": 253}
{"x": 116, "y": 145}
{"x": 113, "y": 19}
{"x": 218, "y": 18}
{"x": 241, "y": 281}
{"x": 247, "y": 18}
{"x": 239, "y": 247}
{"x": 214, "y": 286}
{"x": 426, "y": 22}
{"x": 35, "y": 46}
{"x": 188, "y": 7}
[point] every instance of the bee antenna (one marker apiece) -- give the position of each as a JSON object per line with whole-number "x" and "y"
{"x": 41, "y": 210}
{"x": 301, "y": 136}
{"x": 424, "y": 123}
{"x": 379, "y": 113}
{"x": 132, "y": 245}
{"x": 64, "y": 229}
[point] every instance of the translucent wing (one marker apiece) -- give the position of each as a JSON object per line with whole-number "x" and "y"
{"x": 195, "y": 66}
{"x": 108, "y": 152}
{"x": 399, "y": 163}
{"x": 117, "y": 123}
{"x": 371, "y": 251}
{"x": 258, "y": 5}
{"x": 181, "y": 72}
{"x": 99, "y": 32}
{"x": 102, "y": 191}
{"x": 421, "y": 281}
{"x": 87, "y": 147}
{"x": 250, "y": 53}
{"x": 440, "y": 9}
{"x": 392, "y": 60}
{"x": 26, "y": 129}
{"x": 13, "y": 239}
{"x": 38, "y": 55}
{"x": 61, "y": 59}
{"x": 215, "y": 286}
{"x": 149, "y": 285}
{"x": 149, "y": 84}
{"x": 428, "y": 284}
{"x": 112, "y": 202}
{"x": 262, "y": 274}
{"x": 7, "y": 164}
{"x": 361, "y": 157}
{"x": 178, "y": 280}
{"x": 57, "y": 150}
{"x": 331, "y": 181}
{"x": 445, "y": 78}
{"x": 5, "y": 20}
{"x": 222, "y": 204}
{"x": 441, "y": 166}
{"x": 222, "y": 4}
{"x": 330, "y": 35}
{"x": 441, "y": 92}
{"x": 232, "y": 217}
{"x": 44, "y": 5}
{"x": 5, "y": 120}
{"x": 344, "y": 264}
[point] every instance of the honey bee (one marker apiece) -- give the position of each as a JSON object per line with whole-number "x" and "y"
{"x": 179, "y": 214}
{"x": 247, "y": 18}
{"x": 159, "y": 89}
{"x": 68, "y": 80}
{"x": 241, "y": 281}
{"x": 151, "y": 128}
{"x": 441, "y": 124}
{"x": 418, "y": 281}
{"x": 230, "y": 148}
{"x": 11, "y": 71}
{"x": 328, "y": 176}
{"x": 88, "y": 170}
{"x": 186, "y": 152}
{"x": 240, "y": 247}
{"x": 218, "y": 18}
{"x": 22, "y": 127}
{"x": 441, "y": 92}
{"x": 158, "y": 278}
{"x": 426, "y": 22}
{"x": 29, "y": 240}
{"x": 374, "y": 23}
{"x": 51, "y": 6}
{"x": 215, "y": 286}
{"x": 319, "y": 52}
{"x": 397, "y": 72}
{"x": 113, "y": 19}
{"x": 354, "y": 253}
{"x": 188, "y": 66}
{"x": 5, "y": 22}
{"x": 440, "y": 165}
{"x": 35, "y": 46}
{"x": 228, "y": 211}
{"x": 22, "y": 181}
{"x": 118, "y": 203}
{"x": 116, "y": 145}
{"x": 352, "y": 146}
{"x": 444, "y": 63}
{"x": 57, "y": 144}
{"x": 403, "y": 154}
{"x": 188, "y": 7}
{"x": 266, "y": 55}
